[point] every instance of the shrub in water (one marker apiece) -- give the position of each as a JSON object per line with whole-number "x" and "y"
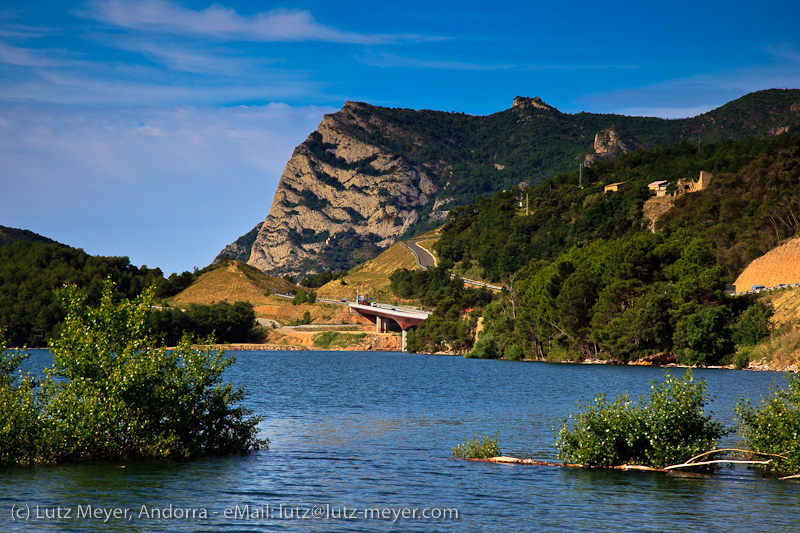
{"x": 478, "y": 448}
{"x": 111, "y": 394}
{"x": 774, "y": 427}
{"x": 665, "y": 427}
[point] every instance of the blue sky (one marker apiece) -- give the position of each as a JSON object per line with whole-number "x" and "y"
{"x": 158, "y": 129}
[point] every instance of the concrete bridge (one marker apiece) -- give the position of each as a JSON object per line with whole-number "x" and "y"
{"x": 382, "y": 313}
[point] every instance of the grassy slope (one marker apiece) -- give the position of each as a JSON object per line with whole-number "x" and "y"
{"x": 371, "y": 277}
{"x": 236, "y": 282}
{"x": 233, "y": 282}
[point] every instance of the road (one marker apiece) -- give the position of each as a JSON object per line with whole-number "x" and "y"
{"x": 424, "y": 258}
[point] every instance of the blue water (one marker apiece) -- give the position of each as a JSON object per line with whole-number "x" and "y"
{"x": 358, "y": 434}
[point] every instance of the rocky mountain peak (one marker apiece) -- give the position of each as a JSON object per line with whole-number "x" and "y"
{"x": 612, "y": 142}
{"x": 338, "y": 190}
{"x": 522, "y": 102}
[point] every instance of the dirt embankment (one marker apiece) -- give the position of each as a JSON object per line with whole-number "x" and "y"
{"x": 781, "y": 265}
{"x": 655, "y": 207}
{"x": 282, "y": 311}
{"x": 344, "y": 340}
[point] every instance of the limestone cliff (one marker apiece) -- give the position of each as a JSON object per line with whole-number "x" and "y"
{"x": 612, "y": 142}
{"x": 338, "y": 187}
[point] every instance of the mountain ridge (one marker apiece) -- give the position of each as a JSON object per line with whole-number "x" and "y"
{"x": 370, "y": 174}
{"x": 9, "y": 235}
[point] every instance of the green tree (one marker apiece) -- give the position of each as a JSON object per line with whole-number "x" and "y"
{"x": 753, "y": 324}
{"x": 300, "y": 297}
{"x": 704, "y": 338}
{"x": 112, "y": 393}
{"x": 774, "y": 427}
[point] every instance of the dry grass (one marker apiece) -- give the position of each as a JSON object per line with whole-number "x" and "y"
{"x": 787, "y": 306}
{"x": 782, "y": 349}
{"x": 371, "y": 277}
{"x": 233, "y": 282}
{"x": 779, "y": 265}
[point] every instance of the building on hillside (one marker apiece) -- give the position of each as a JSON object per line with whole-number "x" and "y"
{"x": 686, "y": 186}
{"x": 659, "y": 188}
{"x": 614, "y": 187}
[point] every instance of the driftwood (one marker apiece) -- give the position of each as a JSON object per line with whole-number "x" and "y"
{"x": 693, "y": 462}
{"x": 504, "y": 459}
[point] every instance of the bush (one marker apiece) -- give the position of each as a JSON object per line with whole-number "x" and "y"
{"x": 665, "y": 427}
{"x": 226, "y": 322}
{"x": 304, "y": 297}
{"x": 305, "y": 321}
{"x": 476, "y": 448}
{"x": 111, "y": 394}
{"x": 485, "y": 348}
{"x": 18, "y": 410}
{"x": 774, "y": 427}
{"x": 515, "y": 352}
{"x": 741, "y": 359}
{"x": 329, "y": 339}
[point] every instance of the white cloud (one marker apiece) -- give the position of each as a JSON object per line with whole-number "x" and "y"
{"x": 28, "y": 57}
{"x": 693, "y": 95}
{"x": 117, "y": 84}
{"x": 278, "y": 25}
{"x": 398, "y": 61}
{"x": 194, "y": 59}
{"x": 784, "y": 51}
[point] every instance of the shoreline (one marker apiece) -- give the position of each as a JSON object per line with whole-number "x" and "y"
{"x": 255, "y": 347}
{"x": 755, "y": 367}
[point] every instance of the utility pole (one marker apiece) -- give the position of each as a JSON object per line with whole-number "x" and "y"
{"x": 527, "y": 204}
{"x": 580, "y": 175}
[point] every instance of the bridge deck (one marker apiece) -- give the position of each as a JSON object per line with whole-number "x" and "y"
{"x": 406, "y": 317}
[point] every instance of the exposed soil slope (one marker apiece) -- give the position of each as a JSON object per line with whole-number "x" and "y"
{"x": 781, "y": 265}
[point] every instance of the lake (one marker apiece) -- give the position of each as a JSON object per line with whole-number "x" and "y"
{"x": 360, "y": 441}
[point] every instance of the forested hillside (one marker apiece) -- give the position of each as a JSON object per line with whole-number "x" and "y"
{"x": 754, "y": 177}
{"x": 33, "y": 270}
{"x": 585, "y": 276}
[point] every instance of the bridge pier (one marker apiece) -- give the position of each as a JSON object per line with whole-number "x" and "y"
{"x": 405, "y": 318}
{"x": 381, "y": 324}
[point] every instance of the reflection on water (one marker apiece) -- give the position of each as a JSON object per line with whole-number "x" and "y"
{"x": 362, "y": 431}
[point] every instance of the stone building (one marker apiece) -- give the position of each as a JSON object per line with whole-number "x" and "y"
{"x": 686, "y": 186}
